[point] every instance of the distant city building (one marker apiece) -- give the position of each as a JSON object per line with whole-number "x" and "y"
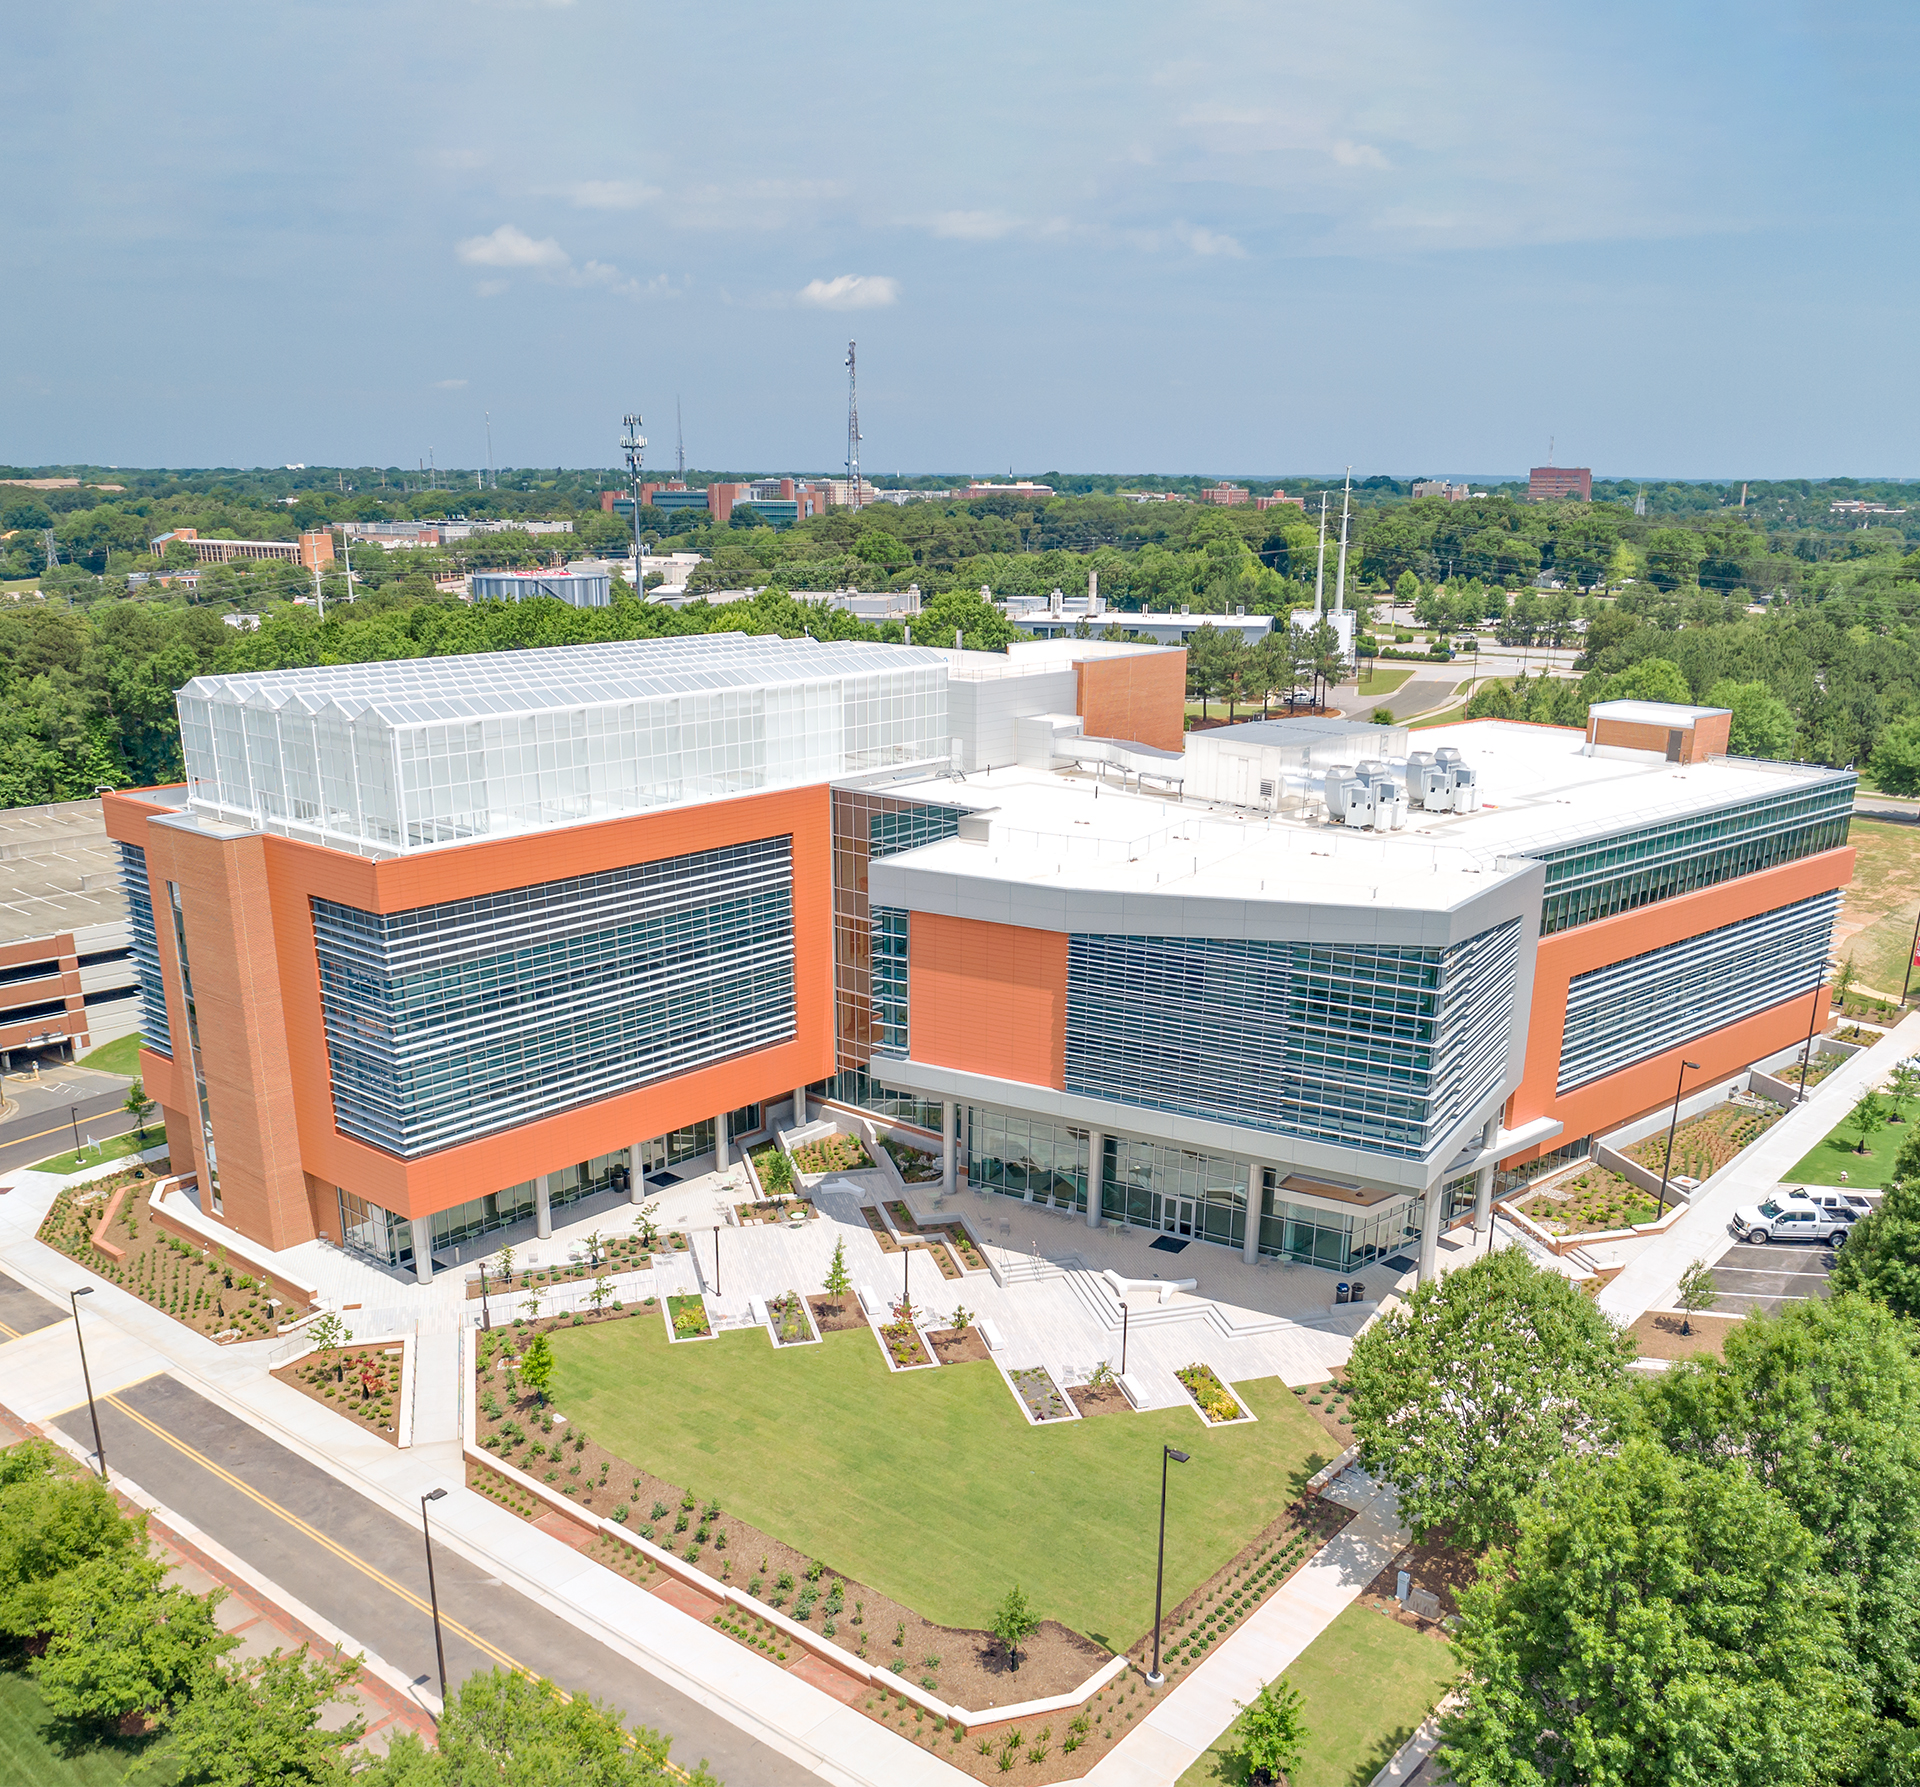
{"x": 242, "y": 623}
{"x": 1547, "y": 483}
{"x": 1453, "y": 493}
{"x": 1039, "y": 492}
{"x": 1153, "y": 496}
{"x": 394, "y": 534}
{"x": 311, "y": 549}
{"x": 1279, "y": 499}
{"x": 1161, "y": 628}
{"x": 1226, "y": 495}
{"x": 581, "y": 586}
{"x": 778, "y": 501}
{"x": 1855, "y": 506}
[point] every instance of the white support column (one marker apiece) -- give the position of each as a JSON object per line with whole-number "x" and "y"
{"x": 637, "y": 1173}
{"x": 1096, "y": 1172}
{"x": 799, "y": 1106}
{"x": 1256, "y": 1187}
{"x": 947, "y": 1150}
{"x": 721, "y": 1158}
{"x": 1483, "y": 1184}
{"x": 423, "y": 1256}
{"x": 1430, "y": 1234}
{"x": 542, "y": 1208}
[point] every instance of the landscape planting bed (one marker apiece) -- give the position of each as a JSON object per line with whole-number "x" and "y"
{"x": 1591, "y": 1202}
{"x": 1327, "y": 1404}
{"x": 1704, "y": 1144}
{"x": 788, "y": 1316}
{"x": 831, "y": 1154}
{"x": 360, "y": 1382}
{"x": 1217, "y": 1404}
{"x": 881, "y": 1233}
{"x": 835, "y": 1315}
{"x": 687, "y": 1317}
{"x": 607, "y": 1254}
{"x": 916, "y": 1166}
{"x": 1039, "y": 1394}
{"x": 947, "y": 1469}
{"x": 199, "y": 1287}
{"x": 1100, "y": 1399}
{"x": 953, "y": 1346}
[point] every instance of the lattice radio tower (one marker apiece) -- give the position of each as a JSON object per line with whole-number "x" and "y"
{"x": 634, "y": 445}
{"x": 853, "y": 431}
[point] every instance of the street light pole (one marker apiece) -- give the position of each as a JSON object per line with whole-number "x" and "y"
{"x": 1667, "y": 1168}
{"x": 86, "y": 1377}
{"x": 1125, "y": 1312}
{"x": 73, "y": 1117}
{"x": 716, "y": 1259}
{"x": 1154, "y": 1677}
{"x": 433, "y": 1594}
{"x": 486, "y": 1309}
{"x": 1813, "y": 1018}
{"x": 1907, "y": 979}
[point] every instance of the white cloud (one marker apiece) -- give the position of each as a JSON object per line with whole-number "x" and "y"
{"x": 974, "y": 226}
{"x": 851, "y": 291}
{"x": 611, "y": 195}
{"x": 1359, "y": 155}
{"x": 450, "y": 384}
{"x": 1205, "y": 241}
{"x": 510, "y": 247}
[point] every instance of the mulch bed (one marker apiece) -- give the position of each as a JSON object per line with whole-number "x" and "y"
{"x": 960, "y": 1241}
{"x": 618, "y": 1253}
{"x": 881, "y": 1232}
{"x": 954, "y": 1346}
{"x": 198, "y": 1287}
{"x": 360, "y": 1382}
{"x": 1326, "y": 1403}
{"x": 1443, "y": 1570}
{"x": 1658, "y": 1336}
{"x": 1035, "y": 1387}
{"x": 904, "y": 1345}
{"x": 1108, "y": 1399}
{"x": 833, "y": 1316}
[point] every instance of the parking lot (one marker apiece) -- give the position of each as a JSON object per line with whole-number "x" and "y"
{"x": 1763, "y": 1280}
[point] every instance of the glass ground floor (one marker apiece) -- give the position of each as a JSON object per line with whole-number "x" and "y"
{"x": 379, "y": 1234}
{"x": 1183, "y": 1191}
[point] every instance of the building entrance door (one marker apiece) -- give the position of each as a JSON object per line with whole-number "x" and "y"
{"x": 1178, "y": 1215}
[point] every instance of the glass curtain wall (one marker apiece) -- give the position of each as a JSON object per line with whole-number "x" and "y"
{"x": 1027, "y": 1158}
{"x": 856, "y": 1087}
{"x": 1338, "y": 1241}
{"x": 193, "y": 1043}
{"x": 154, "y": 1031}
{"x": 1178, "y": 1190}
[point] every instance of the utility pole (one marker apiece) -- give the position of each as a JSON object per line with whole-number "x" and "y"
{"x": 1320, "y": 565}
{"x": 679, "y": 445}
{"x": 1340, "y": 587}
{"x": 853, "y": 431}
{"x": 493, "y": 483}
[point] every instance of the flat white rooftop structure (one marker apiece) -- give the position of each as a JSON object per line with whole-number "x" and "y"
{"x": 420, "y": 752}
{"x": 1653, "y": 713}
{"x": 59, "y": 871}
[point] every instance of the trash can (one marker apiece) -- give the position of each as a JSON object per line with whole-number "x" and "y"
{"x": 1343, "y": 1292}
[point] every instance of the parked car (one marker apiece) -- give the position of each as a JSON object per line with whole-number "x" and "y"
{"x": 1788, "y": 1218}
{"x": 1849, "y": 1206}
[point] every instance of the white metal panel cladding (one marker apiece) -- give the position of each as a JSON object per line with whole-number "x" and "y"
{"x": 1376, "y": 1047}
{"x": 1631, "y": 1010}
{"x": 450, "y": 1022}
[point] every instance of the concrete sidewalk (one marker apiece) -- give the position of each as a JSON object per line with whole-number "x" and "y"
{"x": 1652, "y": 1278}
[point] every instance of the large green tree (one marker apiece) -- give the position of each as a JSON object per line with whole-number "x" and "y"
{"x": 1762, "y": 723}
{"x": 1468, "y": 1395}
{"x": 1822, "y": 1405}
{"x": 1881, "y": 1259}
{"x": 503, "y": 1730}
{"x": 1658, "y": 1621}
{"x": 258, "y": 1724}
{"x": 51, "y": 1524}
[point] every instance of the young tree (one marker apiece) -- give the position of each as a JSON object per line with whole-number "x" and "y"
{"x": 1272, "y": 1731}
{"x": 645, "y": 1222}
{"x": 536, "y": 1366}
{"x": 1867, "y": 1118}
{"x": 778, "y": 1177}
{"x": 594, "y": 1245}
{"x": 122, "y": 1643}
{"x": 1014, "y": 1622}
{"x": 506, "y": 1266}
{"x": 1697, "y": 1293}
{"x": 1821, "y": 1405}
{"x": 258, "y": 1724}
{"x": 532, "y": 1304}
{"x": 503, "y": 1727}
{"x": 1464, "y": 1398}
{"x": 838, "y": 1281}
{"x": 138, "y": 1106}
{"x": 329, "y": 1334}
{"x": 1658, "y": 1621}
{"x": 602, "y": 1290}
{"x": 1881, "y": 1259}
{"x": 1902, "y": 1087}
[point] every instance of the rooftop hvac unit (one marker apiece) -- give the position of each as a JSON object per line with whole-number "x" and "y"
{"x": 1466, "y": 789}
{"x": 1370, "y": 769}
{"x": 1389, "y": 805}
{"x": 1338, "y": 780}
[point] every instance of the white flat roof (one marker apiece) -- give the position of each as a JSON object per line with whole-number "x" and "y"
{"x": 1654, "y": 713}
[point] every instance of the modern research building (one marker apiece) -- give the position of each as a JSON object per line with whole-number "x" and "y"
{"x": 430, "y": 948}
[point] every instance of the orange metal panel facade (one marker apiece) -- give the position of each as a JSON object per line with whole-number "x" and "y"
{"x": 272, "y": 1106}
{"x": 1648, "y": 1084}
{"x": 1142, "y": 696}
{"x": 989, "y": 998}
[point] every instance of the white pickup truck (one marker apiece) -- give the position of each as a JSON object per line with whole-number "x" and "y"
{"x": 1787, "y": 1218}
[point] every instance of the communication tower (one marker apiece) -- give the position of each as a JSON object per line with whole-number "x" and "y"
{"x": 633, "y": 444}
{"x": 853, "y": 431}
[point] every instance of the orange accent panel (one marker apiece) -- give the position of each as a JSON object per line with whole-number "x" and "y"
{"x": 296, "y": 871}
{"x": 989, "y": 998}
{"x": 1644, "y": 1086}
{"x": 1142, "y": 696}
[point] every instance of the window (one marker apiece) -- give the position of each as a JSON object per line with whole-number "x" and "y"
{"x": 154, "y": 1032}
{"x": 1026, "y": 1157}
{"x": 449, "y": 1022}
{"x": 889, "y": 981}
{"x": 1630, "y": 1010}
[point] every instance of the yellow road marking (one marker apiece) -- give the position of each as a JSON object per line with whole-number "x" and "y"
{"x": 308, "y": 1531}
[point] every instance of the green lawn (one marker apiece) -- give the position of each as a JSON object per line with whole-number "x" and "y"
{"x": 1384, "y": 682}
{"x": 114, "y": 1148}
{"x": 930, "y": 1486}
{"x": 1838, "y": 1153}
{"x": 121, "y": 1056}
{"x": 30, "y": 1756}
{"x": 1365, "y": 1684}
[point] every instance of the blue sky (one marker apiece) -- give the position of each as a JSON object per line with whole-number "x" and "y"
{"x": 1218, "y": 238}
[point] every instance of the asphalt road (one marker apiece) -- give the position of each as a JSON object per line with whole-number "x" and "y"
{"x": 364, "y": 1570}
{"x": 1763, "y": 1280}
{"x": 37, "y": 1133}
{"x": 22, "y": 1310}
